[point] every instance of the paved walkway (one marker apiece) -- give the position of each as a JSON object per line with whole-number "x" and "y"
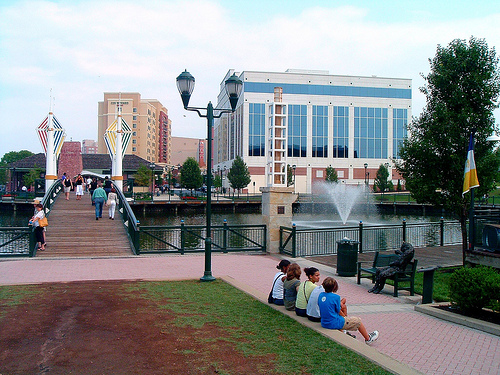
{"x": 418, "y": 342}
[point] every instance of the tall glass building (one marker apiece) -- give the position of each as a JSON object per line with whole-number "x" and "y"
{"x": 312, "y": 120}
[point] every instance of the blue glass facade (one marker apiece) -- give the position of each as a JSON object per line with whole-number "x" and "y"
{"x": 399, "y": 129}
{"x": 320, "y": 131}
{"x": 297, "y": 131}
{"x": 370, "y": 132}
{"x": 257, "y": 129}
{"x": 330, "y": 90}
{"x": 340, "y": 132}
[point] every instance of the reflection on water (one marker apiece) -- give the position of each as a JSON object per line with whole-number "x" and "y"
{"x": 11, "y": 218}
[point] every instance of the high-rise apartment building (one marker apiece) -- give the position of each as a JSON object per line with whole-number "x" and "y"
{"x": 311, "y": 120}
{"x": 147, "y": 119}
{"x": 89, "y": 146}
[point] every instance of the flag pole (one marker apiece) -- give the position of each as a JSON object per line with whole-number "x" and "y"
{"x": 471, "y": 208}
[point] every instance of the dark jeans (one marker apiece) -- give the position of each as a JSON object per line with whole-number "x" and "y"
{"x": 39, "y": 234}
{"x": 99, "y": 202}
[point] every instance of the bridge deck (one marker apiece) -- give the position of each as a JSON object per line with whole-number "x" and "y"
{"x": 73, "y": 231}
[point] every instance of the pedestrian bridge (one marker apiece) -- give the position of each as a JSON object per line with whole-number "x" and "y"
{"x": 74, "y": 232}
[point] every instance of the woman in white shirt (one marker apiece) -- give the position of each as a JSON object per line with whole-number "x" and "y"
{"x": 111, "y": 202}
{"x": 277, "y": 291}
{"x": 38, "y": 229}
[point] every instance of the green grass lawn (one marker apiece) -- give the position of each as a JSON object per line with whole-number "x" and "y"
{"x": 298, "y": 349}
{"x": 441, "y": 277}
{"x": 251, "y": 327}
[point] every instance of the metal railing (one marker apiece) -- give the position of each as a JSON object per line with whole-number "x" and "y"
{"x": 308, "y": 242}
{"x": 20, "y": 241}
{"x": 129, "y": 220}
{"x": 190, "y": 239}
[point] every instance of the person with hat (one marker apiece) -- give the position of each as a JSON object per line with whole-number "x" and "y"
{"x": 36, "y": 202}
{"x": 276, "y": 296}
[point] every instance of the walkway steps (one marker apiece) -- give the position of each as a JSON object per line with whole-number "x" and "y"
{"x": 73, "y": 231}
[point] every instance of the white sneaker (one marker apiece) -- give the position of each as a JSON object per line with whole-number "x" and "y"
{"x": 373, "y": 337}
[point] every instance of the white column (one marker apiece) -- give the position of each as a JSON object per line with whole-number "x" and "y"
{"x": 117, "y": 174}
{"x": 51, "y": 162}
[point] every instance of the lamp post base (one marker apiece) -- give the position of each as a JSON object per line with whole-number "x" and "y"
{"x": 207, "y": 277}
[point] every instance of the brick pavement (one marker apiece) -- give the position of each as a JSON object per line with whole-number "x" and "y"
{"x": 427, "y": 344}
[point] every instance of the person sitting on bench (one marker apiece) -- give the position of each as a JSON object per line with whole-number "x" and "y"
{"x": 406, "y": 253}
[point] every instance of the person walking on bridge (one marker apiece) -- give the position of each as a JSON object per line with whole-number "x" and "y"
{"x": 99, "y": 197}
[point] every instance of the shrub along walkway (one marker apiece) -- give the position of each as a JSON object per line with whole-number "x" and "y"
{"x": 410, "y": 342}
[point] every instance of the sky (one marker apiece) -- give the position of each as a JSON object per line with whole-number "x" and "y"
{"x": 74, "y": 51}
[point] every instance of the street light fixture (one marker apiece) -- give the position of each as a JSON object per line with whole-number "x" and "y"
{"x": 185, "y": 85}
{"x": 366, "y": 166}
{"x": 294, "y": 167}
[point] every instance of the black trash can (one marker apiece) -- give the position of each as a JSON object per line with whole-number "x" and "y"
{"x": 347, "y": 257}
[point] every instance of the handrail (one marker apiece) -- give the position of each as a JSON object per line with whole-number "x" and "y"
{"x": 129, "y": 220}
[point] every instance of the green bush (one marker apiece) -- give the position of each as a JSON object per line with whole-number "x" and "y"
{"x": 472, "y": 289}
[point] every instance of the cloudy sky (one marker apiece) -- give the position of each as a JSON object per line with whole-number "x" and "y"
{"x": 77, "y": 50}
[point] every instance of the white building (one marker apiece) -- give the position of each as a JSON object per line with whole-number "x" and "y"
{"x": 312, "y": 120}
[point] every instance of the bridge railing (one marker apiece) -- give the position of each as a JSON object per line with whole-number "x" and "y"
{"x": 308, "y": 242}
{"x": 190, "y": 239}
{"x": 20, "y": 241}
{"x": 129, "y": 220}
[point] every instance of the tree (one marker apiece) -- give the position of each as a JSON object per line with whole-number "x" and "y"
{"x": 461, "y": 90}
{"x": 191, "y": 177}
{"x": 382, "y": 181}
{"x": 331, "y": 174}
{"x": 30, "y": 177}
{"x": 289, "y": 176}
{"x": 217, "y": 181}
{"x": 143, "y": 176}
{"x": 238, "y": 175}
{"x": 11, "y": 157}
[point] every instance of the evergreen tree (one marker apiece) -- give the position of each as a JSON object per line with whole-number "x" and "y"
{"x": 462, "y": 91}
{"x": 382, "y": 182}
{"x": 30, "y": 177}
{"x": 191, "y": 177}
{"x": 289, "y": 176}
{"x": 331, "y": 174}
{"x": 239, "y": 176}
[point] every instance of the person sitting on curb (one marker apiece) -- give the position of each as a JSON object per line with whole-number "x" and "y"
{"x": 305, "y": 290}
{"x": 291, "y": 285}
{"x": 277, "y": 290}
{"x": 332, "y": 312}
{"x": 406, "y": 254}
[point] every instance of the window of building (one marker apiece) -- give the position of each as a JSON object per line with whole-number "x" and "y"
{"x": 134, "y": 149}
{"x": 257, "y": 129}
{"x": 297, "y": 131}
{"x": 134, "y": 126}
{"x": 340, "y": 132}
{"x": 399, "y": 129}
{"x": 134, "y": 133}
{"x": 134, "y": 141}
{"x": 134, "y": 110}
{"x": 134, "y": 118}
{"x": 370, "y": 133}
{"x": 320, "y": 131}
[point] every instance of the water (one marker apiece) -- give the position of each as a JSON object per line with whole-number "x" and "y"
{"x": 344, "y": 197}
{"x": 11, "y": 218}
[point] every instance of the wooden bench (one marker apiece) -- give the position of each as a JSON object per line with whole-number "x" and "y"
{"x": 383, "y": 260}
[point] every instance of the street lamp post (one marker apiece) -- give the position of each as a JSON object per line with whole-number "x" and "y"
{"x": 294, "y": 167}
{"x": 366, "y": 166}
{"x": 153, "y": 167}
{"x": 185, "y": 85}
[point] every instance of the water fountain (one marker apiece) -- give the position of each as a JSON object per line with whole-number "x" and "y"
{"x": 343, "y": 196}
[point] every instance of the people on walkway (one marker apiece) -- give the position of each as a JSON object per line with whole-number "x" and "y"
{"x": 93, "y": 186}
{"x": 68, "y": 185}
{"x": 35, "y": 203}
{"x": 79, "y": 187}
{"x": 277, "y": 288}
{"x": 87, "y": 184}
{"x": 35, "y": 221}
{"x": 334, "y": 315}
{"x": 107, "y": 185}
{"x": 99, "y": 197}
{"x": 291, "y": 285}
{"x": 111, "y": 202}
{"x": 406, "y": 253}
{"x": 305, "y": 289}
